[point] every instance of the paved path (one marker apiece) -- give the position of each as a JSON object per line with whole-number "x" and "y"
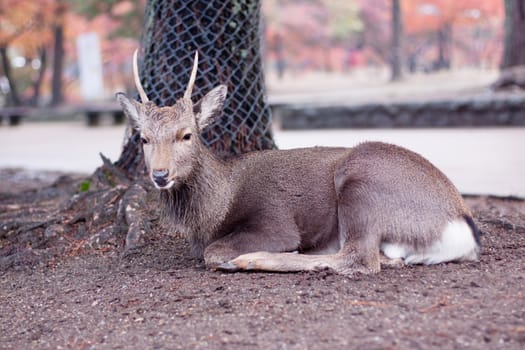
{"x": 479, "y": 161}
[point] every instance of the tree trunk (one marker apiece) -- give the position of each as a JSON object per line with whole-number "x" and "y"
{"x": 514, "y": 46}
{"x": 37, "y": 82}
{"x": 397, "y": 46}
{"x": 57, "y": 96}
{"x": 6, "y": 67}
{"x": 227, "y": 36}
{"x": 513, "y": 60}
{"x": 58, "y": 59}
{"x": 444, "y": 46}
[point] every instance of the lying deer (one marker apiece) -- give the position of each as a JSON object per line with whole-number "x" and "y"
{"x": 345, "y": 209}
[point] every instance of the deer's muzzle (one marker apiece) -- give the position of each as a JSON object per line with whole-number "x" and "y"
{"x": 160, "y": 177}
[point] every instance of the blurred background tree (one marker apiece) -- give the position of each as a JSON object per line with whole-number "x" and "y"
{"x": 60, "y": 9}
{"x": 514, "y": 52}
{"x": 25, "y": 29}
{"x": 397, "y": 41}
{"x": 513, "y": 60}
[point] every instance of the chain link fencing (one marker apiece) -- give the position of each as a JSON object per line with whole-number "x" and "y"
{"x": 227, "y": 34}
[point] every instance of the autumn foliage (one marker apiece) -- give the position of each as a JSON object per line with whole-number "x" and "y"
{"x": 27, "y": 30}
{"x": 458, "y": 32}
{"x": 25, "y": 24}
{"x": 468, "y": 32}
{"x": 431, "y": 15}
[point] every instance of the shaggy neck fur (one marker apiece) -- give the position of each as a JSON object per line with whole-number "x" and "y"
{"x": 197, "y": 207}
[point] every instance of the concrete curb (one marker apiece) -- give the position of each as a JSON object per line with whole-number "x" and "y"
{"x": 495, "y": 111}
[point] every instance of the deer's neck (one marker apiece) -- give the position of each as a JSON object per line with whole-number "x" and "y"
{"x": 198, "y": 207}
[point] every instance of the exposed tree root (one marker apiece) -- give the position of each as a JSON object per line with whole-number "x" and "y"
{"x": 107, "y": 211}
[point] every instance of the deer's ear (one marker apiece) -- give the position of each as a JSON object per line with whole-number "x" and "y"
{"x": 210, "y": 106}
{"x": 130, "y": 108}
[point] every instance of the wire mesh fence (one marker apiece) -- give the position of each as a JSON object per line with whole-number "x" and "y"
{"x": 227, "y": 35}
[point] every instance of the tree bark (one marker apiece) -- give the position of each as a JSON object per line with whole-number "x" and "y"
{"x": 514, "y": 46}
{"x": 397, "y": 42}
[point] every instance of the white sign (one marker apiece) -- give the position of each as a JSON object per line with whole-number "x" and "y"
{"x": 90, "y": 66}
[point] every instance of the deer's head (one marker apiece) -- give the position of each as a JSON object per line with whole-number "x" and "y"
{"x": 171, "y": 135}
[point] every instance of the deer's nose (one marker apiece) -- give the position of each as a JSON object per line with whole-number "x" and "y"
{"x": 160, "y": 176}
{"x": 159, "y": 173}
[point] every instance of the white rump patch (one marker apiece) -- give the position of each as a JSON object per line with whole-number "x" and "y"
{"x": 457, "y": 243}
{"x": 394, "y": 251}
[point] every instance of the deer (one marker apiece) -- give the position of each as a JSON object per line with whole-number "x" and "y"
{"x": 348, "y": 210}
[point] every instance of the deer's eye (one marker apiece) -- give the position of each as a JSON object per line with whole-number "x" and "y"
{"x": 186, "y": 137}
{"x": 143, "y": 140}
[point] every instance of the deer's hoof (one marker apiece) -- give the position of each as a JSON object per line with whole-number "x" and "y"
{"x": 228, "y": 267}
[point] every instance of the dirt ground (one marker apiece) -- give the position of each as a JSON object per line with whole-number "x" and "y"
{"x": 159, "y": 297}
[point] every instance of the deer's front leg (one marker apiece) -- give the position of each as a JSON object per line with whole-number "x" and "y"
{"x": 225, "y": 249}
{"x": 281, "y": 262}
{"x": 260, "y": 251}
